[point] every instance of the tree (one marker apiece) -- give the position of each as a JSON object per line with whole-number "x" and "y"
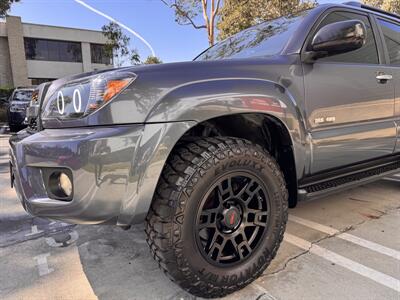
{"x": 237, "y": 15}
{"x": 152, "y": 60}
{"x": 187, "y": 12}
{"x": 5, "y": 6}
{"x": 388, "y": 5}
{"x": 117, "y": 46}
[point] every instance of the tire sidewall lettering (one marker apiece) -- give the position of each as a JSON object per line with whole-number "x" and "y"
{"x": 239, "y": 163}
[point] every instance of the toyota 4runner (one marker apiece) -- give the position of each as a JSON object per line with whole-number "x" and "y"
{"x": 211, "y": 153}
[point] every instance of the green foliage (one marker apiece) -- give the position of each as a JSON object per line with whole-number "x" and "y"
{"x": 5, "y": 6}
{"x": 201, "y": 14}
{"x": 5, "y": 92}
{"x": 117, "y": 46}
{"x": 388, "y": 5}
{"x": 186, "y": 11}
{"x": 152, "y": 60}
{"x": 135, "y": 57}
{"x": 237, "y": 15}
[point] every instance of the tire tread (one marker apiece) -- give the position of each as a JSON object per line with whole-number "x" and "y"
{"x": 185, "y": 167}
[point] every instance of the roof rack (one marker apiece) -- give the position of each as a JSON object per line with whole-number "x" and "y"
{"x": 368, "y": 7}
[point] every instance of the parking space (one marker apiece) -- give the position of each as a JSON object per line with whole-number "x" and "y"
{"x": 346, "y": 246}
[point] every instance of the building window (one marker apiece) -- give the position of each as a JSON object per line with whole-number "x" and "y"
{"x": 51, "y": 50}
{"x": 37, "y": 81}
{"x": 99, "y": 54}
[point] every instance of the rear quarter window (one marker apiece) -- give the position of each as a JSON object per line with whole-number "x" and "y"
{"x": 391, "y": 34}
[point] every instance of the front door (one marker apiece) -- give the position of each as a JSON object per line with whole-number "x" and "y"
{"x": 349, "y": 104}
{"x": 391, "y": 35}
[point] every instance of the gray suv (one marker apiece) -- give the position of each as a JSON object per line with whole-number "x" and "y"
{"x": 211, "y": 153}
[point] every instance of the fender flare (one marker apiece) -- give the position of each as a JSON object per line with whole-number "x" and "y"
{"x": 188, "y": 105}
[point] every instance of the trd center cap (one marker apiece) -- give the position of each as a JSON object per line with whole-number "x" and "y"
{"x": 231, "y": 217}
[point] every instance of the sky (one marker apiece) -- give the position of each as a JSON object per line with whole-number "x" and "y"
{"x": 150, "y": 18}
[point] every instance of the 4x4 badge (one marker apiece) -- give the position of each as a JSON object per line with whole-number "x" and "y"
{"x": 324, "y": 120}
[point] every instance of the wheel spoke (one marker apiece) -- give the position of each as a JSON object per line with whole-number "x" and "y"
{"x": 214, "y": 247}
{"x": 258, "y": 218}
{"x": 246, "y": 190}
{"x": 210, "y": 217}
{"x": 228, "y": 190}
{"x": 231, "y": 223}
{"x": 219, "y": 248}
{"x": 242, "y": 247}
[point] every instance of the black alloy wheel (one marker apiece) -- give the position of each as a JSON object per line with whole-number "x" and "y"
{"x": 232, "y": 219}
{"x": 218, "y": 215}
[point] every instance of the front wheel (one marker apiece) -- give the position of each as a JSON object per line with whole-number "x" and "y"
{"x": 218, "y": 215}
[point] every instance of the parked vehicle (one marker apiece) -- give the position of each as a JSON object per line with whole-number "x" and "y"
{"x": 18, "y": 103}
{"x": 211, "y": 153}
{"x": 32, "y": 112}
{"x": 3, "y": 109}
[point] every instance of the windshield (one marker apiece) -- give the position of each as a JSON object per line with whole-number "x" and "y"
{"x": 265, "y": 39}
{"x": 22, "y": 95}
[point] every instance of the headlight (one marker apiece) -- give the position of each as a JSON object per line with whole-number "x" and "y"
{"x": 79, "y": 98}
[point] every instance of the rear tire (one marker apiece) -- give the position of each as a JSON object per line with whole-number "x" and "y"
{"x": 218, "y": 215}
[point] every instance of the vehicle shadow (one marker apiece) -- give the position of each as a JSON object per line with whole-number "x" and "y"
{"x": 119, "y": 266}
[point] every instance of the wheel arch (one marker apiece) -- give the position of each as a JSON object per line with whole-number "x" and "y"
{"x": 260, "y": 103}
{"x": 262, "y": 129}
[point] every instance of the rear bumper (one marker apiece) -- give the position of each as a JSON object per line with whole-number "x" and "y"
{"x": 114, "y": 170}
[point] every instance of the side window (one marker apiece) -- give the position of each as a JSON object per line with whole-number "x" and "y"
{"x": 367, "y": 54}
{"x": 391, "y": 33}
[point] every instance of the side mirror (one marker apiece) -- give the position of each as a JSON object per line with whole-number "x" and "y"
{"x": 336, "y": 38}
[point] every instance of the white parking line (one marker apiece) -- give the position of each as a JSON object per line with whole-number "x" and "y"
{"x": 344, "y": 262}
{"x": 34, "y": 231}
{"x": 392, "y": 179}
{"x": 261, "y": 289}
{"x": 42, "y": 264}
{"x": 348, "y": 237}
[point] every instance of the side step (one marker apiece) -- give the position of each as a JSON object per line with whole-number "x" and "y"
{"x": 332, "y": 185}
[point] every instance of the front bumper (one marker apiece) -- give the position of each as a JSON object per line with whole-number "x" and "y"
{"x": 100, "y": 161}
{"x": 114, "y": 170}
{"x": 16, "y": 118}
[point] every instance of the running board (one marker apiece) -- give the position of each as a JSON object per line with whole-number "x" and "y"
{"x": 329, "y": 186}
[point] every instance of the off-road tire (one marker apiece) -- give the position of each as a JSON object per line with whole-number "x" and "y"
{"x": 190, "y": 168}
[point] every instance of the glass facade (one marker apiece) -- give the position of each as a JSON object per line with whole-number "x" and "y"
{"x": 37, "y": 81}
{"x": 99, "y": 54}
{"x": 52, "y": 50}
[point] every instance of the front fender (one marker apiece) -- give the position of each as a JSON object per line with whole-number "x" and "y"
{"x": 204, "y": 100}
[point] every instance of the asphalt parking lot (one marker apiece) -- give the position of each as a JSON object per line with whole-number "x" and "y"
{"x": 345, "y": 246}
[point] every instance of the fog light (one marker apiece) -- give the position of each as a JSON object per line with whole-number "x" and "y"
{"x": 65, "y": 184}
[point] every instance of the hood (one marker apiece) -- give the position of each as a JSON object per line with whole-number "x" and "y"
{"x": 155, "y": 82}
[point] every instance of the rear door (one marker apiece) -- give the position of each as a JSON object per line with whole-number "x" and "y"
{"x": 390, "y": 31}
{"x": 350, "y": 112}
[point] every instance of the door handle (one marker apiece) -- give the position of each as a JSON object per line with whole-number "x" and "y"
{"x": 383, "y": 78}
